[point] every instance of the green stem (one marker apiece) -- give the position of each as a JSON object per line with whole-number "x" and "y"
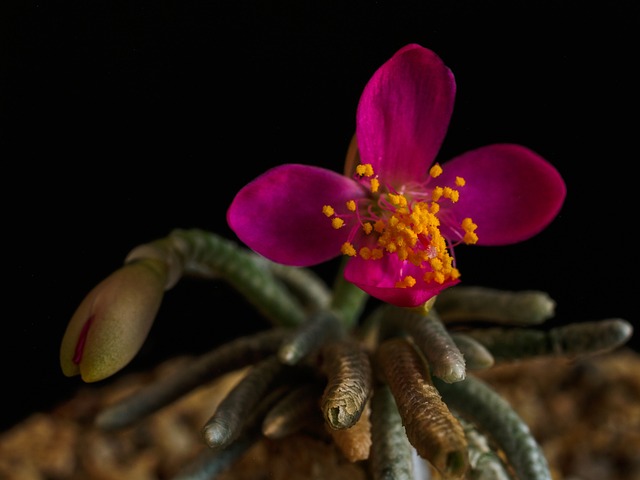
{"x": 481, "y": 405}
{"x": 348, "y": 300}
{"x": 207, "y": 254}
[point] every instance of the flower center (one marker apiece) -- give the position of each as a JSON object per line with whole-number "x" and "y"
{"x": 404, "y": 223}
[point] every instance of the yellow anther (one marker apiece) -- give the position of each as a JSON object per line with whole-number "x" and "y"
{"x": 406, "y": 225}
{"x": 337, "y": 223}
{"x": 436, "y": 263}
{"x": 347, "y": 249}
{"x": 451, "y": 194}
{"x": 439, "y": 277}
{"x": 411, "y": 236}
{"x": 397, "y": 200}
{"x": 436, "y": 170}
{"x": 407, "y": 281}
{"x": 469, "y": 227}
{"x": 415, "y": 257}
{"x": 377, "y": 253}
{"x": 418, "y": 220}
{"x": 470, "y": 238}
{"x": 365, "y": 170}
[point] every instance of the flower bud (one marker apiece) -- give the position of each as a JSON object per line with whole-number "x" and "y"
{"x": 110, "y": 325}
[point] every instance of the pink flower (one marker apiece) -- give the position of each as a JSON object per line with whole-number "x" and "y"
{"x": 400, "y": 214}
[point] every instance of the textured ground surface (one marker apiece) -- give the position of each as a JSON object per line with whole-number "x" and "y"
{"x": 585, "y": 414}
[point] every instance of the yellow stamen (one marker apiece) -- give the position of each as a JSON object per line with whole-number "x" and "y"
{"x": 451, "y": 194}
{"x": 397, "y": 200}
{"x": 436, "y": 263}
{"x": 437, "y": 277}
{"x": 365, "y": 170}
{"x": 328, "y": 210}
{"x": 347, "y": 249}
{"x": 407, "y": 281}
{"x": 470, "y": 238}
{"x": 469, "y": 228}
{"x": 407, "y": 225}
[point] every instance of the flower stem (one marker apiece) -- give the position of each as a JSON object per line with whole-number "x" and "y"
{"x": 348, "y": 300}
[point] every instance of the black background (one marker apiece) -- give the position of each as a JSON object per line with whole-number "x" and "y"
{"x": 124, "y": 120}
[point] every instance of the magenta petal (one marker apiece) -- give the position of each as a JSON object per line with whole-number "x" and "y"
{"x": 279, "y": 214}
{"x": 378, "y": 277}
{"x": 404, "y": 113}
{"x": 511, "y": 192}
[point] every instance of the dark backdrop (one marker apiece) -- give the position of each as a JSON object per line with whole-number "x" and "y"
{"x": 124, "y": 120}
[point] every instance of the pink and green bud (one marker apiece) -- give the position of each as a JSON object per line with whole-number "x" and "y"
{"x": 110, "y": 325}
